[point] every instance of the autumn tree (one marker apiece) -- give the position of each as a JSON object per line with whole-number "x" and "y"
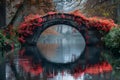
{"x": 102, "y": 8}
{"x": 18, "y": 9}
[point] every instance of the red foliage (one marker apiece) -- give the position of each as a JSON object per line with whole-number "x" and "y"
{"x": 21, "y": 39}
{"x": 31, "y": 17}
{"x": 28, "y": 67}
{"x": 51, "y": 13}
{"x": 99, "y": 68}
{"x": 22, "y": 52}
{"x": 78, "y": 13}
{"x": 26, "y": 28}
{"x": 94, "y": 69}
{"x": 63, "y": 16}
{"x": 27, "y": 64}
{"x": 99, "y": 23}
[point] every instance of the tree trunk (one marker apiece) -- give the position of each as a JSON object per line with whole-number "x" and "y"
{"x": 2, "y": 13}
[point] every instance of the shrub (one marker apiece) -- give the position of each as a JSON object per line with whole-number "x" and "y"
{"x": 112, "y": 39}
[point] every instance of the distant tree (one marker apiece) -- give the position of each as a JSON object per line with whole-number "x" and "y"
{"x": 102, "y": 8}
{"x": 21, "y": 8}
{"x": 18, "y": 9}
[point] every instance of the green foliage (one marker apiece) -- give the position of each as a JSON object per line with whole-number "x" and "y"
{"x": 112, "y": 60}
{"x": 2, "y": 39}
{"x": 115, "y": 62}
{"x": 112, "y": 39}
{"x": 9, "y": 38}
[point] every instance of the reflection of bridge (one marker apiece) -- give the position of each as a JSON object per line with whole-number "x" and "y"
{"x": 70, "y": 47}
{"x": 28, "y": 63}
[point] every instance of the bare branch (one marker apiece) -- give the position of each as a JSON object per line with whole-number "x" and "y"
{"x": 21, "y": 6}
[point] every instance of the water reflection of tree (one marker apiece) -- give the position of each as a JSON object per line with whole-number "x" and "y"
{"x": 50, "y": 31}
{"x": 48, "y": 49}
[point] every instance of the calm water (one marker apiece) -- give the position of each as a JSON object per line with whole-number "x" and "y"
{"x": 59, "y": 55}
{"x": 28, "y": 64}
